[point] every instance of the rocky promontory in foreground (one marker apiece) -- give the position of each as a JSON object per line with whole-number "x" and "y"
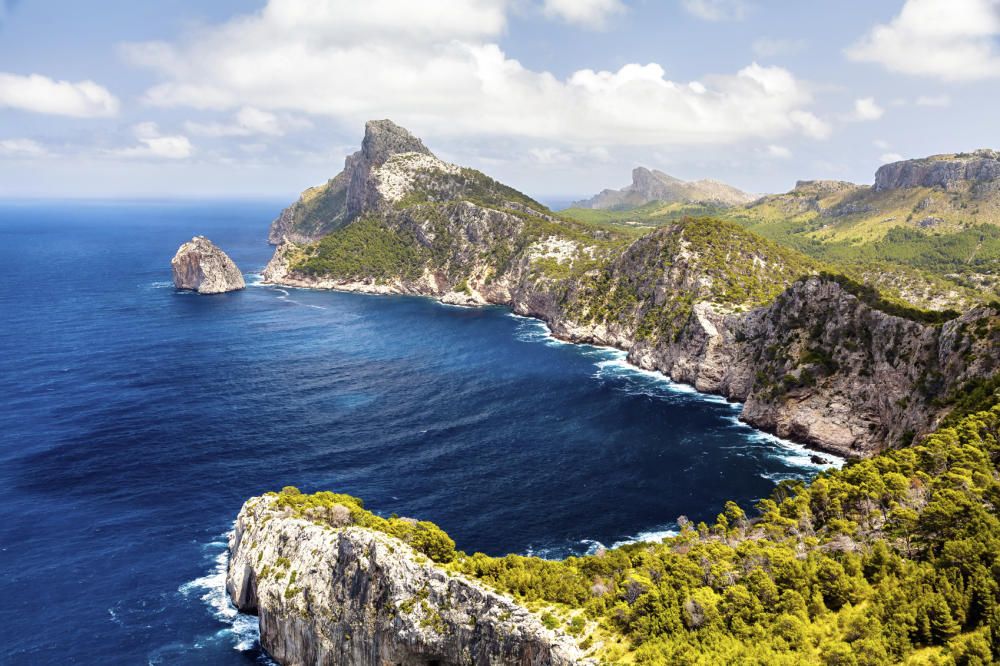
{"x": 201, "y": 266}
{"x": 812, "y": 355}
{"x": 329, "y": 591}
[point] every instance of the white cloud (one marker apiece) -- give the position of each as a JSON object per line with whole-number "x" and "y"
{"x": 891, "y": 157}
{"x": 779, "y": 152}
{"x": 434, "y": 66}
{"x": 716, "y": 10}
{"x": 250, "y": 121}
{"x": 937, "y": 100}
{"x": 766, "y": 47}
{"x": 21, "y": 148}
{"x": 952, "y": 40}
{"x": 587, "y": 13}
{"x": 866, "y": 109}
{"x": 153, "y": 144}
{"x": 40, "y": 94}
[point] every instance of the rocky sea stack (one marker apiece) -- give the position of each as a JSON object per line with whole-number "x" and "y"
{"x": 201, "y": 266}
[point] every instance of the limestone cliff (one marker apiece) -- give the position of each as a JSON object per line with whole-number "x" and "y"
{"x": 813, "y": 358}
{"x": 201, "y": 266}
{"x": 948, "y": 172}
{"x": 328, "y": 593}
{"x": 652, "y": 185}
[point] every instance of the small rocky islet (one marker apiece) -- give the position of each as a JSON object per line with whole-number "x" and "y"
{"x": 814, "y": 355}
{"x": 199, "y": 265}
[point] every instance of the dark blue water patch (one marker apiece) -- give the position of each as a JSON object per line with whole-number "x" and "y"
{"x": 137, "y": 419}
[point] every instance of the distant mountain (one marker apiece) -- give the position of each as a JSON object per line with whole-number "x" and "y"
{"x": 655, "y": 185}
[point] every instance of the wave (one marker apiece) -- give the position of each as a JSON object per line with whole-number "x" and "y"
{"x": 593, "y": 546}
{"x": 791, "y": 453}
{"x": 242, "y": 630}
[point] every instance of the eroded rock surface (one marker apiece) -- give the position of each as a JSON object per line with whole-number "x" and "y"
{"x": 201, "y": 266}
{"x": 352, "y": 596}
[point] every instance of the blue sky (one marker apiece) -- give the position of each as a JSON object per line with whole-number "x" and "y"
{"x": 557, "y": 97}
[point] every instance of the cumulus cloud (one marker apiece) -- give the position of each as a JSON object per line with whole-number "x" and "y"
{"x": 436, "y": 68}
{"x": 716, "y": 10}
{"x": 891, "y": 157}
{"x": 250, "y": 121}
{"x": 587, "y": 13}
{"x": 21, "y": 148}
{"x": 952, "y": 40}
{"x": 779, "y": 152}
{"x": 866, "y": 109}
{"x": 40, "y": 94}
{"x": 153, "y": 144}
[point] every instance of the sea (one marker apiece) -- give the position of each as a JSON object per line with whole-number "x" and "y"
{"x": 136, "y": 419}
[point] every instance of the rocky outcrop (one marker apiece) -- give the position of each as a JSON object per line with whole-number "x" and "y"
{"x": 325, "y": 208}
{"x": 942, "y": 171}
{"x": 353, "y": 596}
{"x": 655, "y": 185}
{"x": 201, "y": 266}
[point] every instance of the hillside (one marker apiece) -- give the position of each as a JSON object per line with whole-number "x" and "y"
{"x": 648, "y": 186}
{"x": 927, "y": 231}
{"x": 892, "y": 560}
{"x": 812, "y": 355}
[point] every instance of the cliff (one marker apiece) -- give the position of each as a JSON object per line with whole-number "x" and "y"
{"x": 201, "y": 266}
{"x": 328, "y": 592}
{"x": 648, "y": 186}
{"x": 814, "y": 358}
{"x": 948, "y": 172}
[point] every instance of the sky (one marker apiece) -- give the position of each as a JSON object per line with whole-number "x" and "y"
{"x": 559, "y": 98}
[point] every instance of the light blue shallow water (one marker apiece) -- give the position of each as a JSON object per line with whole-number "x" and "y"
{"x": 137, "y": 419}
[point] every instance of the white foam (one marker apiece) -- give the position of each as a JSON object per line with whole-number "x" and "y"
{"x": 241, "y": 629}
{"x": 789, "y": 452}
{"x": 652, "y": 536}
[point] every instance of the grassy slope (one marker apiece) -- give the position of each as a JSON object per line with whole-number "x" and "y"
{"x": 889, "y": 560}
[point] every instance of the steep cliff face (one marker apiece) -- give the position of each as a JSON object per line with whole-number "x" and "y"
{"x": 704, "y": 301}
{"x": 354, "y": 596}
{"x": 325, "y": 208}
{"x": 651, "y": 185}
{"x": 941, "y": 171}
{"x": 201, "y": 266}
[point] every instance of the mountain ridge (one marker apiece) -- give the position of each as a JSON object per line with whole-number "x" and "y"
{"x": 653, "y": 185}
{"x": 701, "y": 300}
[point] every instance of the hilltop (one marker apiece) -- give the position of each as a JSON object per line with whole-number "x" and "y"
{"x": 648, "y": 186}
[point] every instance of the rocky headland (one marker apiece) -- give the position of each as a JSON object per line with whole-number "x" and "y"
{"x": 331, "y": 593}
{"x": 201, "y": 266}
{"x": 814, "y": 357}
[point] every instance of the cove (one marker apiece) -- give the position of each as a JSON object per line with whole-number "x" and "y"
{"x": 138, "y": 419}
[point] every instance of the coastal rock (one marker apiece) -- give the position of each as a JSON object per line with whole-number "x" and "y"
{"x": 351, "y": 596}
{"x": 323, "y": 209}
{"x": 201, "y": 266}
{"x": 651, "y": 185}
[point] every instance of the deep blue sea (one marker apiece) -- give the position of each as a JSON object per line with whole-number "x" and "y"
{"x": 136, "y": 420}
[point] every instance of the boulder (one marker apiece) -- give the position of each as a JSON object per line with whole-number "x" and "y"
{"x": 201, "y": 266}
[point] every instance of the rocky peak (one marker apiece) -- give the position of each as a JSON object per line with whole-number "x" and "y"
{"x": 201, "y": 266}
{"x": 948, "y": 172}
{"x": 384, "y": 138}
{"x": 653, "y": 185}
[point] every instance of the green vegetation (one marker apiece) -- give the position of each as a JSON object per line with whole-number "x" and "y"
{"x": 337, "y": 510}
{"x": 367, "y": 248}
{"x": 891, "y": 560}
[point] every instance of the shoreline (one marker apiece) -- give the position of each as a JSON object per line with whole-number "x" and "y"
{"x": 470, "y": 302}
